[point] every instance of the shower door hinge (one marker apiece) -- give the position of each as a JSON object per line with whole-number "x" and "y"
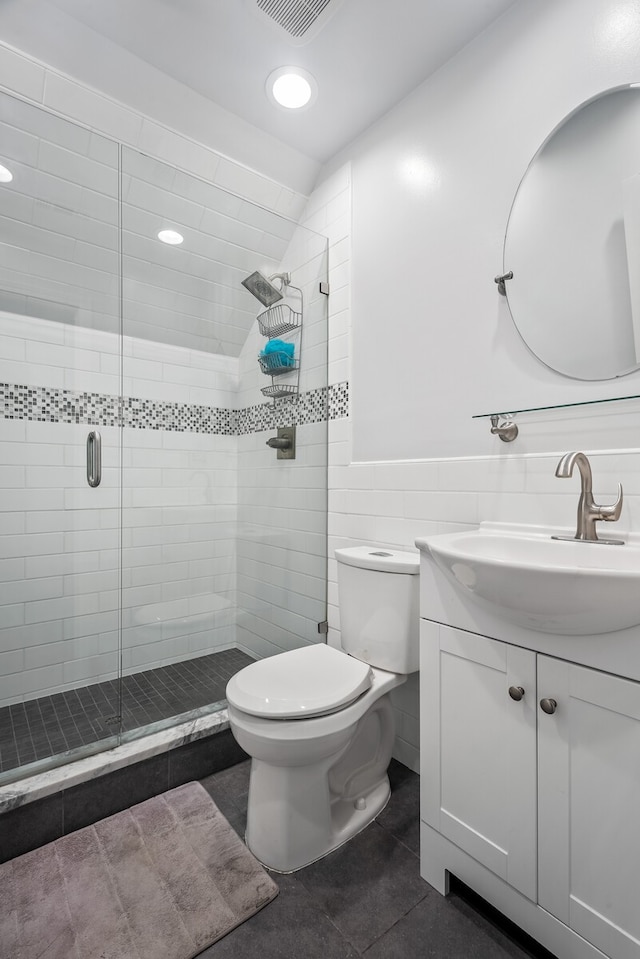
{"x": 324, "y": 288}
{"x": 323, "y": 627}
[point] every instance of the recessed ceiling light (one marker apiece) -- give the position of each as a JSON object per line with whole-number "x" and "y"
{"x": 170, "y": 236}
{"x": 6, "y": 176}
{"x": 291, "y": 87}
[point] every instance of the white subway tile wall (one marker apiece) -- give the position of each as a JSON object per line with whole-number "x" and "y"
{"x": 195, "y": 425}
{"x": 178, "y": 504}
{"x": 186, "y": 492}
{"x": 282, "y": 504}
{"x": 61, "y": 539}
{"x": 281, "y": 542}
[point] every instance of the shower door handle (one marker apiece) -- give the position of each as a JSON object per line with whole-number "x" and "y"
{"x": 94, "y": 458}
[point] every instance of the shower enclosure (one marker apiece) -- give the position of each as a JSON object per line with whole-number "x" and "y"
{"x": 151, "y": 543}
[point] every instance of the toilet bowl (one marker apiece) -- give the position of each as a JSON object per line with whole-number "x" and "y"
{"x": 318, "y": 722}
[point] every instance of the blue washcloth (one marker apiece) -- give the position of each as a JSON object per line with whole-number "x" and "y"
{"x": 285, "y": 351}
{"x": 279, "y": 346}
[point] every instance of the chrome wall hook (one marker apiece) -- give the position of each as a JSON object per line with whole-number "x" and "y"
{"x": 504, "y": 427}
{"x": 500, "y": 280}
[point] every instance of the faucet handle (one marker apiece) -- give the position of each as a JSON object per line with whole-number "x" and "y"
{"x": 612, "y": 513}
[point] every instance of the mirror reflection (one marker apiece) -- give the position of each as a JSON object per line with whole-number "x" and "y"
{"x": 573, "y": 243}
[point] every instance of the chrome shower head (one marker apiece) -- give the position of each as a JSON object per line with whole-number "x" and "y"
{"x": 263, "y": 289}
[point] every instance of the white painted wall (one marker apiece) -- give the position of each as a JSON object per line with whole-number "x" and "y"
{"x": 432, "y": 187}
{"x": 432, "y": 343}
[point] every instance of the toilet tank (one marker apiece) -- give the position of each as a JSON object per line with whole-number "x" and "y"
{"x": 378, "y": 595}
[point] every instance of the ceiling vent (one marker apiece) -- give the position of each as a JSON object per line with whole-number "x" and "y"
{"x": 298, "y": 20}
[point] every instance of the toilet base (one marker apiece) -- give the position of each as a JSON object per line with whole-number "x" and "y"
{"x": 348, "y": 818}
{"x": 316, "y": 782}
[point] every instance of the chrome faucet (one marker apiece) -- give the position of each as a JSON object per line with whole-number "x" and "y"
{"x": 589, "y": 512}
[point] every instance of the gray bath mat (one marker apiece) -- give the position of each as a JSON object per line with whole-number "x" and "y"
{"x": 162, "y": 880}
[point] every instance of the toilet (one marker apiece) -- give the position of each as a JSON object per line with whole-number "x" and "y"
{"x": 318, "y": 723}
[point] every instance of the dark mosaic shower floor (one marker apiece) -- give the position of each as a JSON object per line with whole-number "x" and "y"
{"x": 55, "y": 724}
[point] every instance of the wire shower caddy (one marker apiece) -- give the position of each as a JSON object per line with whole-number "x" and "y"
{"x": 282, "y": 319}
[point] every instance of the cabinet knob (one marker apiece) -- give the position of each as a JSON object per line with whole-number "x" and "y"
{"x": 516, "y": 692}
{"x": 548, "y": 706}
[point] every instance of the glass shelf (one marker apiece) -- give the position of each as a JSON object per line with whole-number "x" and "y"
{"x": 557, "y": 406}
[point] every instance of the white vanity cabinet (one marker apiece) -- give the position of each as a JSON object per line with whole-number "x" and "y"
{"x": 478, "y": 749}
{"x": 538, "y": 811}
{"x": 589, "y": 804}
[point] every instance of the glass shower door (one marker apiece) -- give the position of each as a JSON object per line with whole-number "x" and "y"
{"x": 224, "y": 547}
{"x": 60, "y": 361}
{"x": 180, "y": 341}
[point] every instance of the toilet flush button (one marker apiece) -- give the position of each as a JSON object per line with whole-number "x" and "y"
{"x": 360, "y": 803}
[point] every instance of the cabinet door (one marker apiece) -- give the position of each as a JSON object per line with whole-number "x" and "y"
{"x": 478, "y": 749}
{"x": 589, "y": 805}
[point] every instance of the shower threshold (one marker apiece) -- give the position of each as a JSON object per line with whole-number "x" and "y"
{"x": 57, "y": 729}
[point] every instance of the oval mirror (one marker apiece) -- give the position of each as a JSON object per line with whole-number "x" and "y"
{"x": 573, "y": 242}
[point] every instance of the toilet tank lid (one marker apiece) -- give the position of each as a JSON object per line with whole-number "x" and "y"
{"x": 376, "y": 557}
{"x": 300, "y": 683}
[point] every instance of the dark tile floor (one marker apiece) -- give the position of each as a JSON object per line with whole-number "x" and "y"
{"x": 366, "y": 898}
{"x": 60, "y": 723}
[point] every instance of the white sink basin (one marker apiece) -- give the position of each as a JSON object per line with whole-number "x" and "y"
{"x": 552, "y": 586}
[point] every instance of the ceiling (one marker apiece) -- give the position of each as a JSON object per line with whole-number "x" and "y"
{"x": 366, "y": 55}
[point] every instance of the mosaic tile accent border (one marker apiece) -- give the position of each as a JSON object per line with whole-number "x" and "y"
{"x": 178, "y": 417}
{"x": 50, "y": 405}
{"x": 313, "y": 406}
{"x": 339, "y": 401}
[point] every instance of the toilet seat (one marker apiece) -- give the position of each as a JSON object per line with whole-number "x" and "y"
{"x": 299, "y": 684}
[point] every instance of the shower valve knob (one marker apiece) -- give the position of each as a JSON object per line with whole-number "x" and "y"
{"x": 279, "y": 443}
{"x": 284, "y": 442}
